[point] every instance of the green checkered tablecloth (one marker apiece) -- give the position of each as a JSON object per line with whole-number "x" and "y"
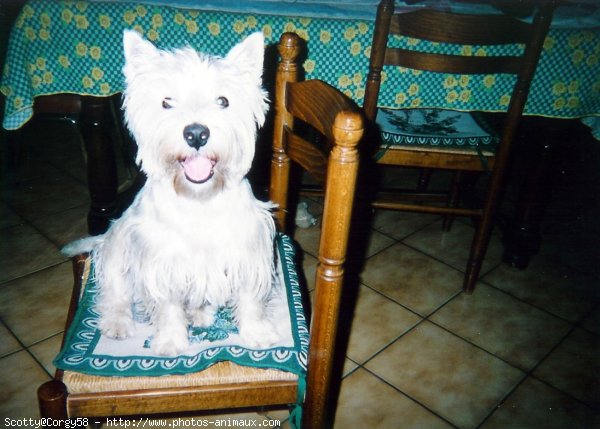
{"x": 76, "y": 47}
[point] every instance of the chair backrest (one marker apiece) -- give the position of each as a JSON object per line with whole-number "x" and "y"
{"x": 334, "y": 161}
{"x": 462, "y": 29}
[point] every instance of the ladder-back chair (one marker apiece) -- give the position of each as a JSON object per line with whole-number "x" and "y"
{"x": 412, "y": 137}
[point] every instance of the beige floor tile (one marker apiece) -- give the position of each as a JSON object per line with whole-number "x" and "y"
{"x": 45, "y": 351}
{"x": 22, "y": 376}
{"x": 452, "y": 247}
{"x": 508, "y": 328}
{"x": 377, "y": 321}
{"x": 23, "y": 251}
{"x": 451, "y": 377}
{"x": 549, "y": 285}
{"x": 536, "y": 405}
{"x": 574, "y": 367}
{"x": 411, "y": 278}
{"x": 8, "y": 342}
{"x": 35, "y": 307}
{"x": 367, "y": 402}
{"x": 65, "y": 226}
{"x": 400, "y": 224}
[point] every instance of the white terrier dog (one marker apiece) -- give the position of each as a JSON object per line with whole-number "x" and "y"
{"x": 195, "y": 237}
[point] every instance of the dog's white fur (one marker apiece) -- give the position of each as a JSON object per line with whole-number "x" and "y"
{"x": 185, "y": 248}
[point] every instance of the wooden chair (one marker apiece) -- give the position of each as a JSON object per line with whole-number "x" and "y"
{"x": 422, "y": 149}
{"x": 227, "y": 385}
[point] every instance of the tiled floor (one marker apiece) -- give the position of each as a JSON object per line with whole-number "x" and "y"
{"x": 521, "y": 352}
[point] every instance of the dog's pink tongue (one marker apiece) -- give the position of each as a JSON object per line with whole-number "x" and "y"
{"x": 197, "y": 168}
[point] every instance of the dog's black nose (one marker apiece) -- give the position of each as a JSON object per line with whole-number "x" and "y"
{"x": 196, "y": 135}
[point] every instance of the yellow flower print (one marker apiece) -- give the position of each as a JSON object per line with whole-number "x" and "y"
{"x": 45, "y": 19}
{"x": 325, "y": 36}
{"x": 410, "y": 41}
{"x": 466, "y": 50}
{"x": 363, "y": 28}
{"x": 179, "y": 19}
{"x": 81, "y": 22}
{"x": 574, "y": 41}
{"x": 573, "y": 102}
{"x": 344, "y": 81}
{"x": 305, "y": 21}
{"x": 450, "y": 82}
{"x": 129, "y": 17}
{"x": 578, "y": 56}
{"x": 347, "y": 93}
{"x": 48, "y": 77}
{"x": 157, "y": 20}
{"x": 28, "y": 11}
{"x": 141, "y": 10}
{"x": 44, "y": 34}
{"x": 214, "y": 28}
{"x": 309, "y": 66}
{"x": 489, "y": 80}
{"x": 63, "y": 60}
{"x": 36, "y": 81}
{"x": 573, "y": 86}
{"x": 384, "y": 76}
{"x": 6, "y": 90}
{"x": 96, "y": 52}
{"x": 465, "y": 95}
{"x": 289, "y": 26}
{"x": 357, "y": 79}
{"x": 355, "y": 48}
{"x": 191, "y": 26}
{"x": 558, "y": 88}
{"x": 367, "y": 51}
{"x": 138, "y": 28}
{"x": 592, "y": 61}
{"x": 152, "y": 35}
{"x": 359, "y": 94}
{"x": 481, "y": 52}
{"x": 549, "y": 43}
{"x": 239, "y": 26}
{"x": 18, "y": 102}
{"x": 104, "y": 88}
{"x": 87, "y": 82}
{"x": 66, "y": 16}
{"x": 40, "y": 63}
{"x": 350, "y": 33}
{"x": 415, "y": 102}
{"x": 30, "y": 34}
{"x": 452, "y": 96}
{"x": 416, "y": 72}
{"x": 81, "y": 6}
{"x": 559, "y": 103}
{"x": 251, "y": 22}
{"x": 267, "y": 31}
{"x": 463, "y": 80}
{"x": 104, "y": 21}
{"x": 596, "y": 87}
{"x": 302, "y": 33}
{"x": 20, "y": 21}
{"x": 400, "y": 98}
{"x": 31, "y": 68}
{"x": 97, "y": 73}
{"x": 504, "y": 100}
{"x": 194, "y": 13}
{"x": 413, "y": 89}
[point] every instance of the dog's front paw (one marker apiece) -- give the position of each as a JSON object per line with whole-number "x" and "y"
{"x": 118, "y": 327}
{"x": 170, "y": 343}
{"x": 259, "y": 334}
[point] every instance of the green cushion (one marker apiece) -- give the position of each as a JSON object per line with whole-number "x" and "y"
{"x": 86, "y": 350}
{"x": 433, "y": 127}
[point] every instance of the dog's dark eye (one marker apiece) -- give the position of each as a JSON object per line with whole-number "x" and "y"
{"x": 223, "y": 102}
{"x": 166, "y": 103}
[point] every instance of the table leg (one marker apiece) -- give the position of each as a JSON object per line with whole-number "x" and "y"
{"x": 522, "y": 238}
{"x": 101, "y": 162}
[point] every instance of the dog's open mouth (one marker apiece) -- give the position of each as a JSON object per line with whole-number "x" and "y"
{"x": 198, "y": 169}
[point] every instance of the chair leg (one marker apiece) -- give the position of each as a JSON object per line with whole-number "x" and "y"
{"x": 453, "y": 200}
{"x": 52, "y": 398}
{"x": 479, "y": 247}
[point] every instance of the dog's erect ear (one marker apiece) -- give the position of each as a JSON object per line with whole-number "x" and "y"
{"x": 249, "y": 53}
{"x": 136, "y": 49}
